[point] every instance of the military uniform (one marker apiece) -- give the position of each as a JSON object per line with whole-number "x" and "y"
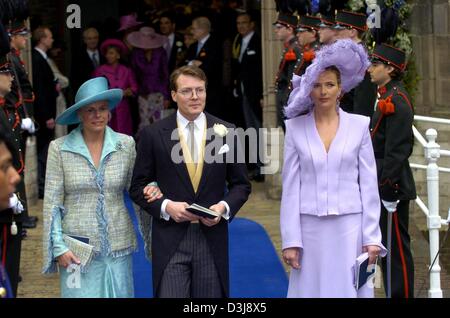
{"x": 392, "y": 138}
{"x": 16, "y": 105}
{"x": 308, "y": 51}
{"x": 361, "y": 99}
{"x": 290, "y": 60}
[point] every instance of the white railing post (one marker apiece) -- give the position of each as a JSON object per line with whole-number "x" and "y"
{"x": 432, "y": 155}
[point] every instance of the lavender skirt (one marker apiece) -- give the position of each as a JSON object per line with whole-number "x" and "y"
{"x": 331, "y": 245}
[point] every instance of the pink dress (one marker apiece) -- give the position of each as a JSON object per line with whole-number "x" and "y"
{"x": 122, "y": 77}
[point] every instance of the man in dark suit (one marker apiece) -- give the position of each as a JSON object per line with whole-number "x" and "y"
{"x": 175, "y": 46}
{"x": 206, "y": 53}
{"x": 247, "y": 80}
{"x": 87, "y": 60}
{"x": 190, "y": 253}
{"x": 392, "y": 138}
{"x": 44, "y": 85}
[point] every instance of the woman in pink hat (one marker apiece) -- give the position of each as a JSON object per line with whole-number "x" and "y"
{"x": 119, "y": 76}
{"x": 128, "y": 24}
{"x": 149, "y": 62}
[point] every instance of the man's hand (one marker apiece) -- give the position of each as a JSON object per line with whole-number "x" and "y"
{"x": 166, "y": 104}
{"x": 50, "y": 123}
{"x": 220, "y": 209}
{"x": 292, "y": 257}
{"x": 390, "y": 206}
{"x": 178, "y": 212}
{"x": 152, "y": 192}
{"x": 67, "y": 259}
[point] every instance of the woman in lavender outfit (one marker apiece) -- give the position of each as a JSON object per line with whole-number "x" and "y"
{"x": 330, "y": 206}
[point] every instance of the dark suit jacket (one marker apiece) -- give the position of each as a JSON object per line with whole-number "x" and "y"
{"x": 44, "y": 85}
{"x": 211, "y": 57}
{"x": 154, "y": 163}
{"x": 82, "y": 68}
{"x": 249, "y": 73}
{"x": 393, "y": 141}
{"x": 176, "y": 53}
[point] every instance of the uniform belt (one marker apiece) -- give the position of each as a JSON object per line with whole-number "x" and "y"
{"x": 379, "y": 155}
{"x": 195, "y": 222}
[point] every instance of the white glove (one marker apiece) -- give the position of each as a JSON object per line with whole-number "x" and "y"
{"x": 15, "y": 204}
{"x": 27, "y": 124}
{"x": 235, "y": 93}
{"x": 391, "y": 207}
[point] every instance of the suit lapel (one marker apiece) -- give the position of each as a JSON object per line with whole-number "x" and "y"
{"x": 166, "y": 135}
{"x": 207, "y": 166}
{"x": 337, "y": 146}
{"x": 318, "y": 154}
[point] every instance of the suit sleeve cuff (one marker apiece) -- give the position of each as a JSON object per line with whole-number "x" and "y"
{"x": 226, "y": 215}
{"x": 164, "y": 215}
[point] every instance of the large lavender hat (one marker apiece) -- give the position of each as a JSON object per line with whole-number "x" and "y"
{"x": 350, "y": 58}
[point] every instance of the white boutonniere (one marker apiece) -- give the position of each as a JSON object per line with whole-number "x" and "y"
{"x": 220, "y": 130}
{"x": 119, "y": 146}
{"x": 179, "y": 44}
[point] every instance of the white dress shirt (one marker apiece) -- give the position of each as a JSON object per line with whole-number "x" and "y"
{"x": 169, "y": 44}
{"x": 44, "y": 54}
{"x": 97, "y": 56}
{"x": 199, "y": 124}
{"x": 245, "y": 40}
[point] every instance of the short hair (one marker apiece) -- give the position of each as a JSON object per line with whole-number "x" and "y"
{"x": 39, "y": 34}
{"x": 188, "y": 70}
{"x": 247, "y": 14}
{"x": 169, "y": 15}
{"x": 203, "y": 23}
{"x": 89, "y": 30}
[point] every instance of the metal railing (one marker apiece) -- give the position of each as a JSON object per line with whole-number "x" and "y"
{"x": 432, "y": 153}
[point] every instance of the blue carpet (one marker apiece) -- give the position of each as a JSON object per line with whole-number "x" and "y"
{"x": 255, "y": 269}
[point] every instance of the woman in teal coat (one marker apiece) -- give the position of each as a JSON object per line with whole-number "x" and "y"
{"x": 88, "y": 233}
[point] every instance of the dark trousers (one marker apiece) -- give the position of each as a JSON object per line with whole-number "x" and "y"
{"x": 252, "y": 121}
{"x": 280, "y": 104}
{"x": 402, "y": 265}
{"x": 191, "y": 272}
{"x": 10, "y": 252}
{"x": 42, "y": 152}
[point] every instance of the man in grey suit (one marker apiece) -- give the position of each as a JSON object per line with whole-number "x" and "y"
{"x": 189, "y": 253}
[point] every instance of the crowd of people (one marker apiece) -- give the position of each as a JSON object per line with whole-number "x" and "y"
{"x": 348, "y": 127}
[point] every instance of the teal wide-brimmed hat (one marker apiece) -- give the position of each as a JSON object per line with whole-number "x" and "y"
{"x": 93, "y": 90}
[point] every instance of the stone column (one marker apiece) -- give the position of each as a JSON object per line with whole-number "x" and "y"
{"x": 271, "y": 54}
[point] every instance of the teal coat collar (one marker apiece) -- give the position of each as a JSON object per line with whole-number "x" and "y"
{"x": 74, "y": 142}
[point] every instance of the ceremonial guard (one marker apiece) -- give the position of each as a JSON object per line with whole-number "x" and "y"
{"x": 392, "y": 138}
{"x": 11, "y": 219}
{"x": 19, "y": 107}
{"x": 361, "y": 99}
{"x": 307, "y": 35}
{"x": 285, "y": 28}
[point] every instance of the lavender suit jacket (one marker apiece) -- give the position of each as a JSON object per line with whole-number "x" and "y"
{"x": 341, "y": 182}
